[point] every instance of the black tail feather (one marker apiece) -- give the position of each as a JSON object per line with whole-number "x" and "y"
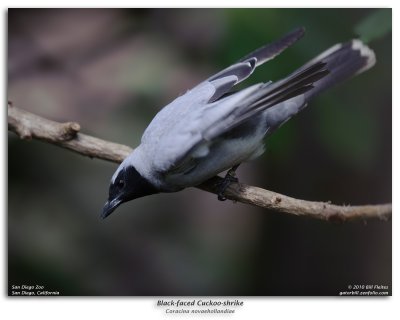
{"x": 341, "y": 62}
{"x": 349, "y": 59}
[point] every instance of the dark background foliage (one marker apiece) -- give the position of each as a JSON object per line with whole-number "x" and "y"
{"x": 111, "y": 71}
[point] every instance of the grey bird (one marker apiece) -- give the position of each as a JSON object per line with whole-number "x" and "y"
{"x": 212, "y": 128}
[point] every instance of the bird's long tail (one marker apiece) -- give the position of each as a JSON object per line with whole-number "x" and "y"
{"x": 342, "y": 61}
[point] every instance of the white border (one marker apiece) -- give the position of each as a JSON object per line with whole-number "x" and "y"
{"x": 255, "y": 308}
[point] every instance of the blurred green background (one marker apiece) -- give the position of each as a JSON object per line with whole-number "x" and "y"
{"x": 112, "y": 70}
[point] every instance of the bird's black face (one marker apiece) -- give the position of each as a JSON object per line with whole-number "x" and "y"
{"x": 128, "y": 185}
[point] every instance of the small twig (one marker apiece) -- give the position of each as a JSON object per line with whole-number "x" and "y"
{"x": 29, "y": 126}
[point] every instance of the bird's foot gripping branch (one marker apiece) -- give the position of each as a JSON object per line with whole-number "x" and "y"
{"x": 66, "y": 135}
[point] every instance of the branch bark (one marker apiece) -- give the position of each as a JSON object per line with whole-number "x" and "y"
{"x": 66, "y": 135}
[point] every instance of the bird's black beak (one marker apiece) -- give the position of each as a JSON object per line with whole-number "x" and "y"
{"x": 110, "y": 206}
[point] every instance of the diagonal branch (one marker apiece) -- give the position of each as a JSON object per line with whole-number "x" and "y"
{"x": 66, "y": 135}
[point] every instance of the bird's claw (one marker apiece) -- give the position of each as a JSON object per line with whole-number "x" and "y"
{"x": 224, "y": 184}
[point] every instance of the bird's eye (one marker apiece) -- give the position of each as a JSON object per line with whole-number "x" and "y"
{"x": 121, "y": 184}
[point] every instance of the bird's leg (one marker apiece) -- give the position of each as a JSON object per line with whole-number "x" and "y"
{"x": 226, "y": 181}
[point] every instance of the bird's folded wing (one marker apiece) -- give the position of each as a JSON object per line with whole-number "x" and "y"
{"x": 191, "y": 126}
{"x": 264, "y": 97}
{"x": 182, "y": 127}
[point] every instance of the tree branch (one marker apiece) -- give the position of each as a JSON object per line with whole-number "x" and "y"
{"x": 29, "y": 126}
